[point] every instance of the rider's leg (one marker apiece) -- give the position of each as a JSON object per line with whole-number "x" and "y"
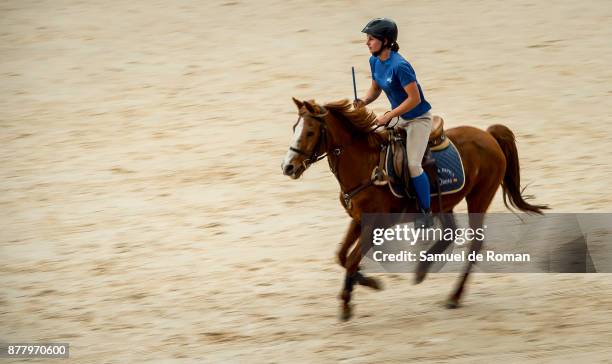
{"x": 417, "y": 135}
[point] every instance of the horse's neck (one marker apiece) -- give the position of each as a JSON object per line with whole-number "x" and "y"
{"x": 356, "y": 160}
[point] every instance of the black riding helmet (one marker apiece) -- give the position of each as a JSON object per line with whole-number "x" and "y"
{"x": 382, "y": 28}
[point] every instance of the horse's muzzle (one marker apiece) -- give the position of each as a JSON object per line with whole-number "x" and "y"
{"x": 290, "y": 170}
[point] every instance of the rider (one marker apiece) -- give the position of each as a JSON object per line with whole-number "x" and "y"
{"x": 394, "y": 75}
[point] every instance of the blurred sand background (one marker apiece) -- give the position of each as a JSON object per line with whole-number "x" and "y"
{"x": 145, "y": 217}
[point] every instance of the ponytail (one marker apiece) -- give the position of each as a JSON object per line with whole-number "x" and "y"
{"x": 394, "y": 47}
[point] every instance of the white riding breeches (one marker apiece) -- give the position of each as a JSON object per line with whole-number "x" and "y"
{"x": 417, "y": 136}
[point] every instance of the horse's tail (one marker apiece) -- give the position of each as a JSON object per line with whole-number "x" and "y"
{"x": 511, "y": 185}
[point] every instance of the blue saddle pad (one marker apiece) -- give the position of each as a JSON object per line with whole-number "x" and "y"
{"x": 451, "y": 176}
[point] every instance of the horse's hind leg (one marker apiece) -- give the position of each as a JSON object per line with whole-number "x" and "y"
{"x": 478, "y": 202}
{"x": 448, "y": 222}
{"x": 476, "y": 221}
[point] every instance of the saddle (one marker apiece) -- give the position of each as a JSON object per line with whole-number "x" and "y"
{"x": 393, "y": 164}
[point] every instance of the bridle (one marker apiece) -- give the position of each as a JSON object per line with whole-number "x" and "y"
{"x": 316, "y": 154}
{"x": 314, "y": 157}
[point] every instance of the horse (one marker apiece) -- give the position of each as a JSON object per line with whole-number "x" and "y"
{"x": 347, "y": 138}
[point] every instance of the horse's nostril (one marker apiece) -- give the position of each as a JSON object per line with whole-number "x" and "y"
{"x": 288, "y": 168}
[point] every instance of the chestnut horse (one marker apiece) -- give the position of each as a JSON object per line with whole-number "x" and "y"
{"x": 346, "y": 137}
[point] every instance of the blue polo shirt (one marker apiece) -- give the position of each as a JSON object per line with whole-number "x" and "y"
{"x": 392, "y": 76}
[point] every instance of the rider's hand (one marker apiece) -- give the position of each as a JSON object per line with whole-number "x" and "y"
{"x": 358, "y": 103}
{"x": 382, "y": 119}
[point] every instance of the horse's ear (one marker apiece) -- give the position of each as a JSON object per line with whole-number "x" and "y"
{"x": 298, "y": 103}
{"x": 310, "y": 107}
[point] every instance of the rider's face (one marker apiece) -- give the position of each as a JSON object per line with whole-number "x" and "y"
{"x": 373, "y": 44}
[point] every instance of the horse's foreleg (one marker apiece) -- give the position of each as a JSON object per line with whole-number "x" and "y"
{"x": 476, "y": 222}
{"x": 352, "y": 234}
{"x": 352, "y": 277}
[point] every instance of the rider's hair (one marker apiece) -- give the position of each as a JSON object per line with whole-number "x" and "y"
{"x": 395, "y": 47}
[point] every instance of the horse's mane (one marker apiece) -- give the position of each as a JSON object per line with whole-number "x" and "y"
{"x": 360, "y": 121}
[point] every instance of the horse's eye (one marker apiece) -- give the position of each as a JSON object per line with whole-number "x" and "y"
{"x": 309, "y": 134}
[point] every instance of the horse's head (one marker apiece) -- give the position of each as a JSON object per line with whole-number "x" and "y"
{"x": 308, "y": 143}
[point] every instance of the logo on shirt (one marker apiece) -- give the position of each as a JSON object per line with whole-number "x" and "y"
{"x": 389, "y": 80}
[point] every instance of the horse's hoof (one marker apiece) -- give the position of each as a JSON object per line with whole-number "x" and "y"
{"x": 421, "y": 272}
{"x": 347, "y": 313}
{"x": 371, "y": 283}
{"x": 452, "y": 303}
{"x": 419, "y": 277}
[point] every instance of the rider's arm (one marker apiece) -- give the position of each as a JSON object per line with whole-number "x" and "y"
{"x": 372, "y": 94}
{"x": 413, "y": 99}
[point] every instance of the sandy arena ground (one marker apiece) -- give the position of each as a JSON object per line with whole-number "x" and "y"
{"x": 145, "y": 217}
